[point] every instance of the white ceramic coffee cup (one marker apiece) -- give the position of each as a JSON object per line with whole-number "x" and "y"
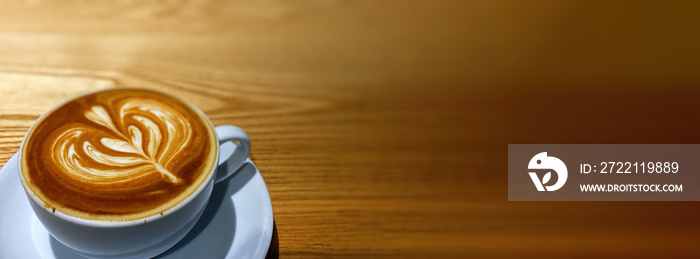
{"x": 145, "y": 237}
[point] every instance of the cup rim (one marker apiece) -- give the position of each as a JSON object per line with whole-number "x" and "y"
{"x": 118, "y": 223}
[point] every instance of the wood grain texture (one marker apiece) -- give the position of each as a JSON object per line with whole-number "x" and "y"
{"x": 381, "y": 127}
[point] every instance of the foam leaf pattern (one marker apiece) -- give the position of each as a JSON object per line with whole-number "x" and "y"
{"x": 153, "y": 135}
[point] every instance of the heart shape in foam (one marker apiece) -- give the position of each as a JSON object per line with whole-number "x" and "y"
{"x": 143, "y": 141}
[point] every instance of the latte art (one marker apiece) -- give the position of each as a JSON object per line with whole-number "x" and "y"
{"x": 164, "y": 134}
{"x": 119, "y": 154}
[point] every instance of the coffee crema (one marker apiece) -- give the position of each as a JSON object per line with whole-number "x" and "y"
{"x": 118, "y": 155}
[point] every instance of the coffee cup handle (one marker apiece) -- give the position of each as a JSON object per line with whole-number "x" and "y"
{"x": 231, "y": 157}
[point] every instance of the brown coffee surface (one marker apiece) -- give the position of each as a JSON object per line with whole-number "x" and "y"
{"x": 120, "y": 154}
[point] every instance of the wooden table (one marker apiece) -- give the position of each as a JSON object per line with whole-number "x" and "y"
{"x": 381, "y": 127}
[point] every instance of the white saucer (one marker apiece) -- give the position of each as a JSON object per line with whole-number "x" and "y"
{"x": 237, "y": 222}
